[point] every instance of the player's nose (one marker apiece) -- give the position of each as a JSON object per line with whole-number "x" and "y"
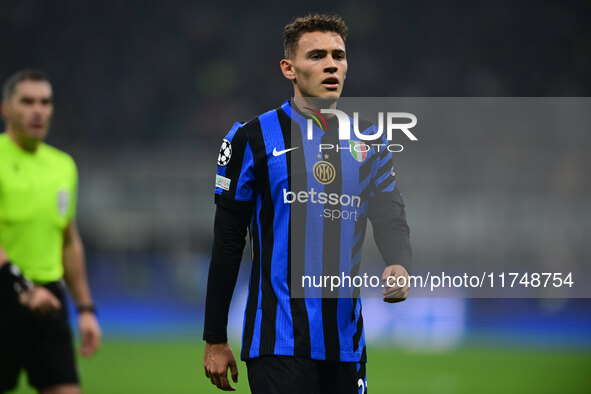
{"x": 330, "y": 65}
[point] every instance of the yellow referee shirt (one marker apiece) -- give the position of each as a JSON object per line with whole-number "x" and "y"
{"x": 37, "y": 200}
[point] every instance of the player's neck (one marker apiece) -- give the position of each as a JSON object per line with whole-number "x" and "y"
{"x": 29, "y": 145}
{"x": 316, "y": 103}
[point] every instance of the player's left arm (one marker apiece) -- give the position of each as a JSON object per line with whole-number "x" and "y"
{"x": 392, "y": 236}
{"x": 75, "y": 276}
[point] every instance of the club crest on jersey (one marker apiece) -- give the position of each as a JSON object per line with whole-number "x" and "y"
{"x": 324, "y": 172}
{"x": 358, "y": 150}
{"x": 225, "y": 153}
{"x": 63, "y": 200}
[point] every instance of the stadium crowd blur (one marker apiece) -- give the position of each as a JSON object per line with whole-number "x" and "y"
{"x": 146, "y": 90}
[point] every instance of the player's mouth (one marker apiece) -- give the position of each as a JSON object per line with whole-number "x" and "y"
{"x": 37, "y": 126}
{"x": 331, "y": 83}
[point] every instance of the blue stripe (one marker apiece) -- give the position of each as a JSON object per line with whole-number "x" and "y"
{"x": 346, "y": 327}
{"x": 256, "y": 335}
{"x": 278, "y": 179}
{"x": 314, "y": 307}
{"x": 244, "y": 191}
{"x": 314, "y": 236}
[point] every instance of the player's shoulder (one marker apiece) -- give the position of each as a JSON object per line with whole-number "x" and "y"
{"x": 6, "y": 144}
{"x": 3, "y": 140}
{"x": 58, "y": 156}
{"x": 247, "y": 130}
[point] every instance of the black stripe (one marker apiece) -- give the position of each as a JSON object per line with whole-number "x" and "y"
{"x": 253, "y": 294}
{"x": 385, "y": 168}
{"x": 266, "y": 215}
{"x": 361, "y": 223}
{"x": 355, "y": 269}
{"x": 358, "y": 245}
{"x": 364, "y": 356}
{"x": 331, "y": 257}
{"x": 234, "y": 167}
{"x": 361, "y": 374}
{"x": 364, "y": 195}
{"x": 297, "y": 236}
{"x": 387, "y": 182}
{"x": 358, "y": 332}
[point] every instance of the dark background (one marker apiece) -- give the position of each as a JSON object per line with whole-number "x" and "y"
{"x": 145, "y": 90}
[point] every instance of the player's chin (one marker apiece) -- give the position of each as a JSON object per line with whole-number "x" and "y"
{"x": 328, "y": 98}
{"x": 331, "y": 94}
{"x": 37, "y": 134}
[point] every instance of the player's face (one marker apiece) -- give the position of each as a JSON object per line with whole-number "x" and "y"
{"x": 319, "y": 65}
{"x": 28, "y": 112}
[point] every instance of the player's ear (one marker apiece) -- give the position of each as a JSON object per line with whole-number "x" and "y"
{"x": 287, "y": 69}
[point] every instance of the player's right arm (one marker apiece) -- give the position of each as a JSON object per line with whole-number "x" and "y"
{"x": 233, "y": 196}
{"x": 229, "y": 240}
{"x": 36, "y": 298}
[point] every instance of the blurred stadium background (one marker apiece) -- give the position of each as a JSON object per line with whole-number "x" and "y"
{"x": 144, "y": 93}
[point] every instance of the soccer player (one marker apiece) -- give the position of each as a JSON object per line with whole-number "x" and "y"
{"x": 39, "y": 244}
{"x": 271, "y": 178}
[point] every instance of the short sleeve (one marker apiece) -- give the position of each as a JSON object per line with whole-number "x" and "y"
{"x": 73, "y": 191}
{"x": 234, "y": 182}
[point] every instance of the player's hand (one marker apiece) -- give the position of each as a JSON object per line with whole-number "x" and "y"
{"x": 90, "y": 333}
{"x": 39, "y": 299}
{"x": 392, "y": 292}
{"x": 216, "y": 360}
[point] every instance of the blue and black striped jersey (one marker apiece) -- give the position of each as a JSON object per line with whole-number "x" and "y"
{"x": 309, "y": 212}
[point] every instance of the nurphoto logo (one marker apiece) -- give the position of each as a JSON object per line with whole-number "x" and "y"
{"x": 345, "y": 125}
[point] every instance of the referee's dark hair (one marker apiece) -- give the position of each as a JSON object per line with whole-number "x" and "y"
{"x": 20, "y": 76}
{"x": 308, "y": 24}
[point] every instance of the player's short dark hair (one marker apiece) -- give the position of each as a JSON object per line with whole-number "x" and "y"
{"x": 20, "y": 76}
{"x": 308, "y": 24}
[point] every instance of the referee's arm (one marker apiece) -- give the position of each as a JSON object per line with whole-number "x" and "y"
{"x": 36, "y": 298}
{"x": 75, "y": 276}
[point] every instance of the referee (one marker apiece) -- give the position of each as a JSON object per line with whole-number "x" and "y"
{"x": 39, "y": 245}
{"x": 272, "y": 179}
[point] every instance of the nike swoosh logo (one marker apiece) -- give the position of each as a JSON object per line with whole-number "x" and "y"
{"x": 279, "y": 153}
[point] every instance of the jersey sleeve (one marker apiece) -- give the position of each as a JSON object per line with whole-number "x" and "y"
{"x": 387, "y": 214}
{"x": 234, "y": 183}
{"x": 384, "y": 179}
{"x": 71, "y": 215}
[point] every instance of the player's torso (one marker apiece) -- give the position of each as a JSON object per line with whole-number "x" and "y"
{"x": 320, "y": 171}
{"x": 36, "y": 202}
{"x": 34, "y": 187}
{"x": 310, "y": 206}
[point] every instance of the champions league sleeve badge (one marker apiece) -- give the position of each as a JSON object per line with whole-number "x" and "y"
{"x": 225, "y": 153}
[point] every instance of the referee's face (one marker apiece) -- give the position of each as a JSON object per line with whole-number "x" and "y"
{"x": 318, "y": 66}
{"x": 28, "y": 112}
